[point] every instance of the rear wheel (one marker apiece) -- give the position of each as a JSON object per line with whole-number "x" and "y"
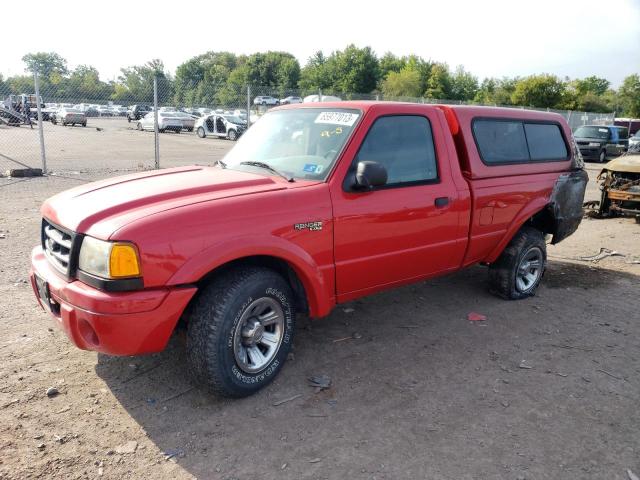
{"x": 139, "y": 126}
{"x": 200, "y": 132}
{"x": 84, "y": 124}
{"x": 240, "y": 330}
{"x": 232, "y": 135}
{"x": 518, "y": 271}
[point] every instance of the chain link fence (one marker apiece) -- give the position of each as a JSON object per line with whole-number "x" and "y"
{"x": 92, "y": 137}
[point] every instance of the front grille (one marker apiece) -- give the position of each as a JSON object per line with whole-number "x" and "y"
{"x": 57, "y": 244}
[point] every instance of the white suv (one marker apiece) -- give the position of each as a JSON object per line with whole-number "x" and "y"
{"x": 265, "y": 100}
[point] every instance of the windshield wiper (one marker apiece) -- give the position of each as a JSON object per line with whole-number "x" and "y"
{"x": 221, "y": 163}
{"x": 266, "y": 166}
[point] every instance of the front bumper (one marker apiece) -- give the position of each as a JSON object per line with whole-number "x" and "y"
{"x": 591, "y": 153}
{"x": 116, "y": 323}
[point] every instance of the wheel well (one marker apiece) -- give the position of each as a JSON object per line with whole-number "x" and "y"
{"x": 544, "y": 221}
{"x": 274, "y": 263}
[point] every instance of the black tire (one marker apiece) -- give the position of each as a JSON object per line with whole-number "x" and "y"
{"x": 84, "y": 124}
{"x": 602, "y": 157}
{"x": 161, "y": 130}
{"x": 502, "y": 273}
{"x": 214, "y": 317}
{"x": 190, "y": 129}
{"x": 232, "y": 135}
{"x": 139, "y": 126}
{"x": 200, "y": 132}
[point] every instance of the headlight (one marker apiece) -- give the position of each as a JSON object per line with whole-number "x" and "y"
{"x": 594, "y": 144}
{"x": 110, "y": 260}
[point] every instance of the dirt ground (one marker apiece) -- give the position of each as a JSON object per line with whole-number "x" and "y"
{"x": 545, "y": 388}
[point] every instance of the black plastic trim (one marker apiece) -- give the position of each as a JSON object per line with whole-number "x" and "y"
{"x": 74, "y": 253}
{"x": 111, "y": 285}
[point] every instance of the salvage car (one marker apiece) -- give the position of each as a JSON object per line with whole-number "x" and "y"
{"x": 188, "y": 120}
{"x": 265, "y": 100}
{"x": 316, "y": 205}
{"x": 136, "y": 112}
{"x": 290, "y": 100}
{"x": 620, "y": 185}
{"x": 598, "y": 142}
{"x": 68, "y": 116}
{"x": 166, "y": 121}
{"x": 222, "y": 126}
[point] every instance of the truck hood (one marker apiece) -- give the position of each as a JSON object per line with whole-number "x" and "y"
{"x": 629, "y": 163}
{"x": 100, "y": 208}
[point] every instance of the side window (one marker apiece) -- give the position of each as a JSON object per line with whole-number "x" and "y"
{"x": 404, "y": 145}
{"x": 501, "y": 141}
{"x": 545, "y": 141}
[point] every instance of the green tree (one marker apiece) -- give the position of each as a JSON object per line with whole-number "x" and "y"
{"x": 46, "y": 64}
{"x": 592, "y": 84}
{"x": 278, "y": 70}
{"x": 198, "y": 79}
{"x": 135, "y": 84}
{"x": 629, "y": 95}
{"x": 316, "y": 74}
{"x": 539, "y": 91}
{"x": 439, "y": 83}
{"x": 464, "y": 86}
{"x": 391, "y": 63}
{"x": 405, "y": 83}
{"x": 354, "y": 70}
{"x": 4, "y": 87}
{"x": 84, "y": 84}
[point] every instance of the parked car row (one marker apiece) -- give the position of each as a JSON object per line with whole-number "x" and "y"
{"x": 268, "y": 100}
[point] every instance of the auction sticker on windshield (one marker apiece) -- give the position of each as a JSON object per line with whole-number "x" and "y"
{"x": 338, "y": 118}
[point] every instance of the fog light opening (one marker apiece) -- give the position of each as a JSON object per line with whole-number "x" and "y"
{"x": 88, "y": 333}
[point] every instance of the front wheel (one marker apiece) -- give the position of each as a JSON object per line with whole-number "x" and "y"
{"x": 518, "y": 271}
{"x": 603, "y": 156}
{"x": 232, "y": 135}
{"x": 240, "y": 330}
{"x": 200, "y": 132}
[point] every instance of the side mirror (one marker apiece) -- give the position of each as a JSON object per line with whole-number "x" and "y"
{"x": 370, "y": 174}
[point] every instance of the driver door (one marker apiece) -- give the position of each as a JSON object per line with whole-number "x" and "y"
{"x": 406, "y": 229}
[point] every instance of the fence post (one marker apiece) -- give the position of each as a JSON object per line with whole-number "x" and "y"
{"x": 319, "y": 94}
{"x": 43, "y": 155}
{"x": 155, "y": 121}
{"x": 248, "y": 105}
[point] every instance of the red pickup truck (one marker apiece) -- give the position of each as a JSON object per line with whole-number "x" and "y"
{"x": 315, "y": 206}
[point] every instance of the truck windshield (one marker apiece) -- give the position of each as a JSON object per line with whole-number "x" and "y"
{"x": 302, "y": 143}
{"x": 592, "y": 132}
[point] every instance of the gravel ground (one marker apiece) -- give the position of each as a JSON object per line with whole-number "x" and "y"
{"x": 545, "y": 388}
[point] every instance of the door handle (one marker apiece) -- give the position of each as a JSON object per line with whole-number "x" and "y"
{"x": 441, "y": 202}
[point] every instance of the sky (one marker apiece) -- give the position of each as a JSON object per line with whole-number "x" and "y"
{"x": 490, "y": 38}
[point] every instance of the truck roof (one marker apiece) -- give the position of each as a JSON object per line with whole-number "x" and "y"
{"x": 467, "y": 110}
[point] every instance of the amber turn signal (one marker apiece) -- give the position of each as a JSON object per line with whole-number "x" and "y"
{"x": 123, "y": 261}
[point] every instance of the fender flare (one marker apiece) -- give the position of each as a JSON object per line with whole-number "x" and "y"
{"x": 319, "y": 291}
{"x": 525, "y": 214}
